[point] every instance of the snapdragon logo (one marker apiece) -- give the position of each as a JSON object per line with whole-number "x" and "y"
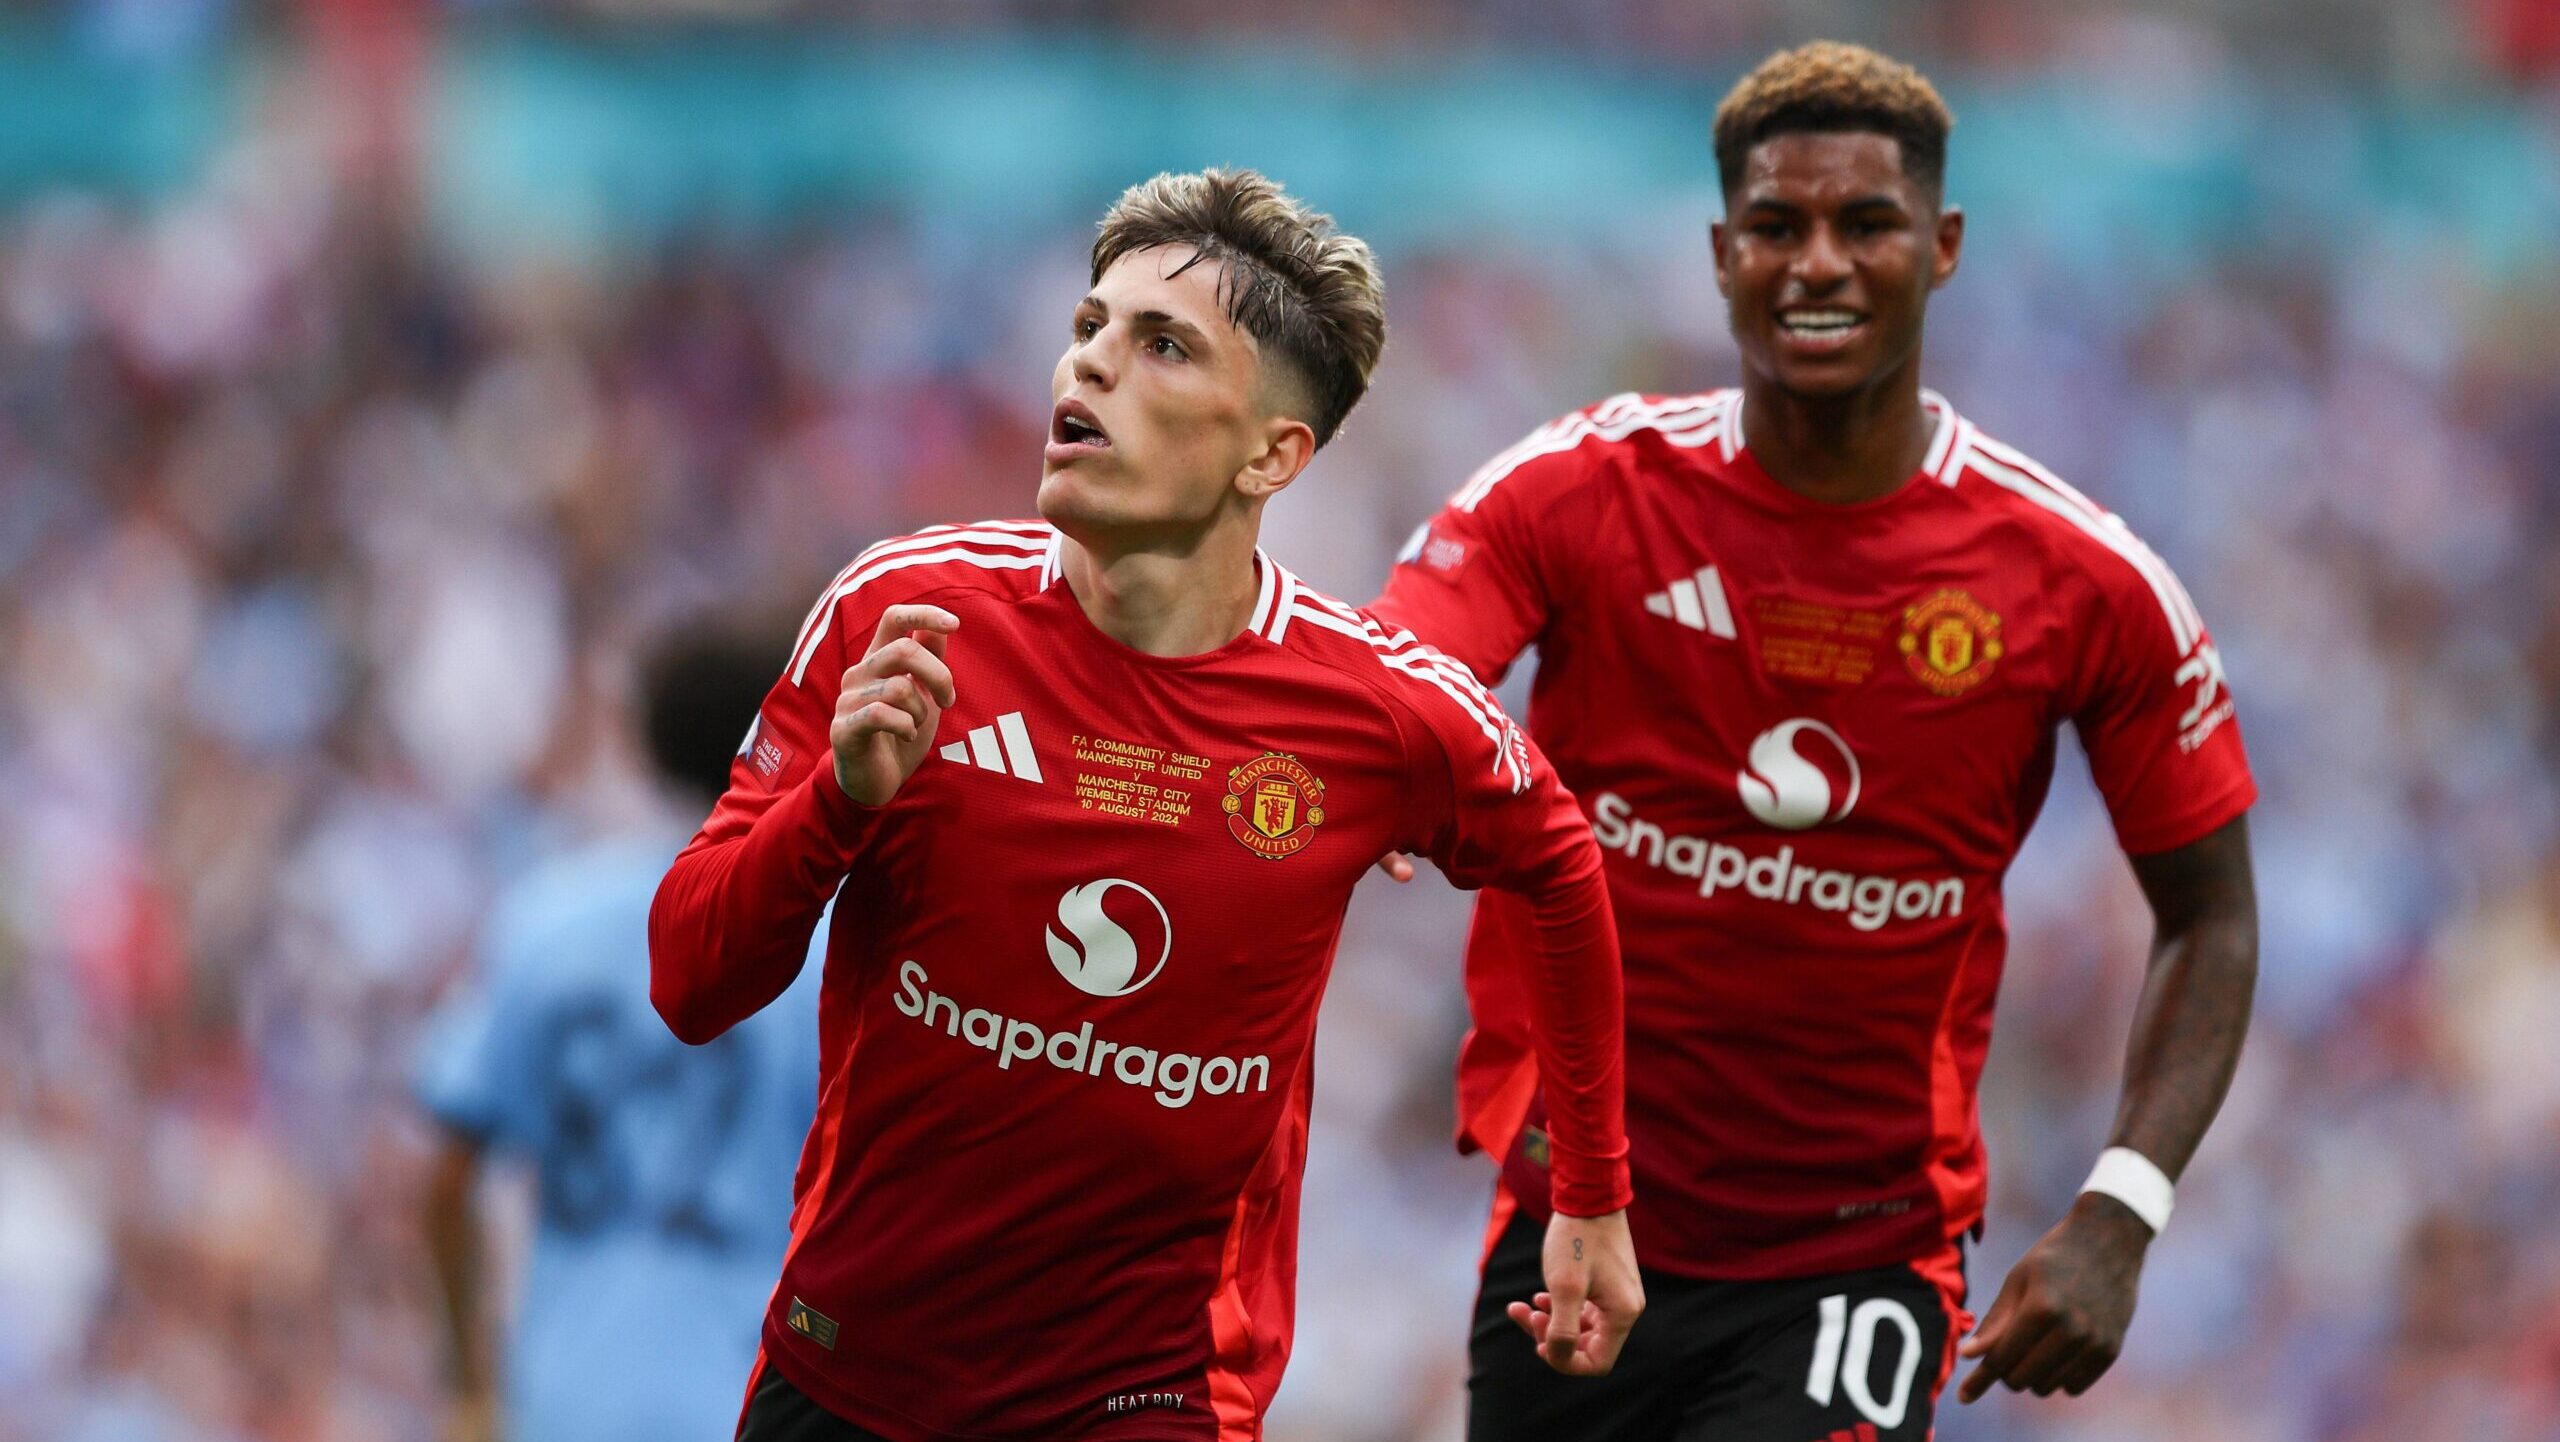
{"x": 1784, "y": 788}
{"x": 1098, "y": 956}
{"x": 1869, "y": 902}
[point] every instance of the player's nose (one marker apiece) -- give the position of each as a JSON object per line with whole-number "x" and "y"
{"x": 1093, "y": 364}
{"x": 1822, "y": 262}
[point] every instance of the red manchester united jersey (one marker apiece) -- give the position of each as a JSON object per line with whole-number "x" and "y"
{"x": 1071, "y": 985}
{"x": 1810, "y": 739}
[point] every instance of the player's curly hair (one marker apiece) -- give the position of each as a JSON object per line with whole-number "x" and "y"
{"x": 1308, "y": 293}
{"x": 1831, "y": 86}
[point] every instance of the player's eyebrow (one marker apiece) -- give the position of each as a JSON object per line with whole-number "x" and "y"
{"x": 1183, "y": 330}
{"x": 1190, "y": 334}
{"x": 1854, "y": 205}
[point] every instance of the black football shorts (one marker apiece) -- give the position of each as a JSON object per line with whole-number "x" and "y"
{"x": 776, "y": 1411}
{"x": 1852, "y": 1357}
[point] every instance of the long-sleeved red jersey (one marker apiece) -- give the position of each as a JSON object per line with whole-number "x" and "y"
{"x": 1812, "y": 739}
{"x": 1071, "y": 989}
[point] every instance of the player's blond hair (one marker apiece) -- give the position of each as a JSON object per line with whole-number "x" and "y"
{"x": 1308, "y": 293}
{"x": 1831, "y": 86}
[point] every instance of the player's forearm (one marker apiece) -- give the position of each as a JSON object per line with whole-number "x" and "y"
{"x": 454, "y": 1249}
{"x": 2196, "y": 997}
{"x": 1578, "y": 1025}
{"x": 729, "y": 928}
{"x": 2186, "y": 1039}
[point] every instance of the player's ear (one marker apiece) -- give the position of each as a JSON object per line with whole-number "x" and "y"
{"x": 1716, "y": 242}
{"x": 1287, "y": 445}
{"x": 1950, "y": 246}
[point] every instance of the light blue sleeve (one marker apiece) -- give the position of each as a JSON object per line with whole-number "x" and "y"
{"x": 474, "y": 1070}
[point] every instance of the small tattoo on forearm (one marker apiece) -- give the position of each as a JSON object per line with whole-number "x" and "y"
{"x": 1577, "y": 1249}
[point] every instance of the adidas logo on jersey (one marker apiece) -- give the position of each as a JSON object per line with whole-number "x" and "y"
{"x": 1003, "y": 748}
{"x": 1696, "y": 601}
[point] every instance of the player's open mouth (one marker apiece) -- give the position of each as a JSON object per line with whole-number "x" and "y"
{"x": 1824, "y": 328}
{"x": 1072, "y": 425}
{"x": 1074, "y": 430}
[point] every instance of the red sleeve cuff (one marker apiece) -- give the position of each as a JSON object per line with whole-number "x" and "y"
{"x": 1588, "y": 1186}
{"x": 844, "y": 818}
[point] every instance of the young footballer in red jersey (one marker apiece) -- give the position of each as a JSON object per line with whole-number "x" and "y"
{"x": 1804, "y": 648}
{"x": 1091, "y": 797}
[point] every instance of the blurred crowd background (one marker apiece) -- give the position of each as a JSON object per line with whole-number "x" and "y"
{"x": 377, "y": 375}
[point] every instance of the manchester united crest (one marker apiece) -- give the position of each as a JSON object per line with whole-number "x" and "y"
{"x": 1950, "y": 641}
{"x": 1273, "y": 805}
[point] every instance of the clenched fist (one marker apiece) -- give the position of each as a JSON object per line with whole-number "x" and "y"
{"x": 891, "y": 702}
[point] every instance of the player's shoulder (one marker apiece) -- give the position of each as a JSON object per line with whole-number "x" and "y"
{"x": 1410, "y": 679}
{"x": 1006, "y": 560}
{"x": 564, "y": 906}
{"x": 2075, "y": 535}
{"x": 1333, "y": 635}
{"x": 1631, "y": 432}
{"x": 1010, "y": 558}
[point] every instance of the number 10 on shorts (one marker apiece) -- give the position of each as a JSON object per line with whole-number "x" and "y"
{"x": 1846, "y": 1346}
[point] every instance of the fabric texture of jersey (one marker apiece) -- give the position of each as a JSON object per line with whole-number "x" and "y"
{"x": 1072, "y": 983}
{"x": 1810, "y": 739}
{"x": 663, "y": 1172}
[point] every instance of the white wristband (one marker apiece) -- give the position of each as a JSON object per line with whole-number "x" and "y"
{"x": 2133, "y": 1179}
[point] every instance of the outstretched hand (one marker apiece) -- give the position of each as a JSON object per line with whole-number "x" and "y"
{"x": 1397, "y": 866}
{"x": 890, "y": 703}
{"x": 1594, "y": 1295}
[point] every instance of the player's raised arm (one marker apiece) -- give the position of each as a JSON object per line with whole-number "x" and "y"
{"x": 730, "y": 926}
{"x": 1493, "y": 814}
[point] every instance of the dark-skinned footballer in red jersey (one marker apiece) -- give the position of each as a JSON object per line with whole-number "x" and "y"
{"x": 1090, "y": 794}
{"x": 1804, "y": 649}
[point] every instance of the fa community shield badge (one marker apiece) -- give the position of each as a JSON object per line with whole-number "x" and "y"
{"x": 1273, "y": 805}
{"x": 1950, "y": 641}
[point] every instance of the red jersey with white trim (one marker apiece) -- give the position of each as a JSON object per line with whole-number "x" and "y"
{"x": 1072, "y": 981}
{"x": 1810, "y": 739}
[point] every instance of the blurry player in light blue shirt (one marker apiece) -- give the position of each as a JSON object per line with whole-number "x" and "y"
{"x": 663, "y": 1171}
